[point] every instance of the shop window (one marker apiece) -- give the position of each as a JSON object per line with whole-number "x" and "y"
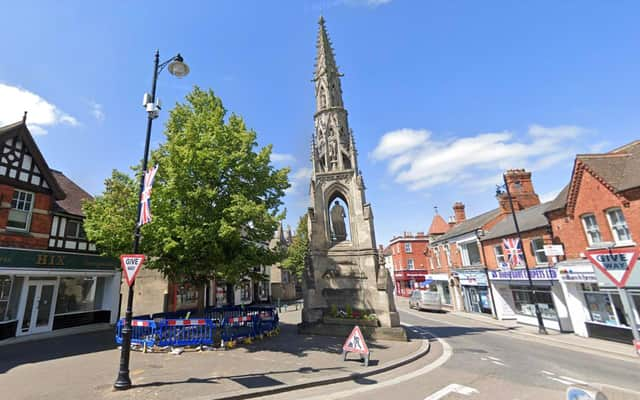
{"x": 524, "y": 302}
{"x": 21, "y": 208}
{"x": 76, "y": 295}
{"x": 537, "y": 249}
{"x": 618, "y": 225}
{"x": 5, "y": 295}
{"x": 591, "y": 229}
{"x": 410, "y": 263}
{"x": 186, "y": 296}
{"x": 407, "y": 247}
{"x": 245, "y": 291}
{"x": 470, "y": 253}
{"x": 601, "y": 308}
{"x": 446, "y": 295}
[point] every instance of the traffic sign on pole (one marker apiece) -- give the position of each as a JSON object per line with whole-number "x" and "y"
{"x": 131, "y": 264}
{"x": 615, "y": 264}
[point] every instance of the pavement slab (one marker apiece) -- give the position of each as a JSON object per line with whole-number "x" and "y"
{"x": 85, "y": 366}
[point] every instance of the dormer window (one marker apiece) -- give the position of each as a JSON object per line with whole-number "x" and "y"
{"x": 20, "y": 213}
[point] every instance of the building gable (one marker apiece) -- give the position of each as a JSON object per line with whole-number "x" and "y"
{"x": 22, "y": 164}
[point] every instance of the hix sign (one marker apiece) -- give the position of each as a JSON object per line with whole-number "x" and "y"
{"x": 614, "y": 265}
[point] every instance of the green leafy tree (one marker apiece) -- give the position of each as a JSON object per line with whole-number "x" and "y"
{"x": 111, "y": 217}
{"x": 216, "y": 198}
{"x": 298, "y": 250}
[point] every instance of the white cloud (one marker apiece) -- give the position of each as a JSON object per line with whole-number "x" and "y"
{"x": 282, "y": 158}
{"x": 419, "y": 162}
{"x": 549, "y": 195}
{"x": 97, "y": 110}
{"x": 298, "y": 178}
{"x": 14, "y": 101}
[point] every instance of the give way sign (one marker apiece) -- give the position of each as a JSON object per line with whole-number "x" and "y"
{"x": 131, "y": 264}
{"x": 615, "y": 264}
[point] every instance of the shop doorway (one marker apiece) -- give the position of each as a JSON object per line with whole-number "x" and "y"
{"x": 37, "y": 306}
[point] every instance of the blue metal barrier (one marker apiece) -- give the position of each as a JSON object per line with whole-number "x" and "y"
{"x": 226, "y": 323}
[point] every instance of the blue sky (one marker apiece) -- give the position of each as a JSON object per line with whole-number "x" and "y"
{"x": 442, "y": 96}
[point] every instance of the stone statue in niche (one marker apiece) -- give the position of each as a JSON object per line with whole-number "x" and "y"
{"x": 337, "y": 222}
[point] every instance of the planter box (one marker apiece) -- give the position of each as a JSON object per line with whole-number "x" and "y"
{"x": 349, "y": 321}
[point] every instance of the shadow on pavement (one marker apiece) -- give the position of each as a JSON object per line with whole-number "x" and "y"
{"x": 18, "y": 354}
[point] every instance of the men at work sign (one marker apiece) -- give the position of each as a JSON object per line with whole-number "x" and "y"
{"x": 614, "y": 265}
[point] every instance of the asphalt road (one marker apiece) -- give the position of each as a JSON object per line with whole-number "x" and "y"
{"x": 480, "y": 361}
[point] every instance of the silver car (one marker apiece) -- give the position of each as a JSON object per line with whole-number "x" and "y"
{"x": 425, "y": 300}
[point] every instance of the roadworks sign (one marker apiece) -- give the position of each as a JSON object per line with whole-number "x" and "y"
{"x": 355, "y": 342}
{"x": 615, "y": 264}
{"x": 131, "y": 264}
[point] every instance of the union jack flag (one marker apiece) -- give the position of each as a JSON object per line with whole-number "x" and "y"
{"x": 513, "y": 250}
{"x": 145, "y": 197}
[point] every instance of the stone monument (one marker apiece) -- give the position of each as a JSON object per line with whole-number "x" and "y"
{"x": 343, "y": 274}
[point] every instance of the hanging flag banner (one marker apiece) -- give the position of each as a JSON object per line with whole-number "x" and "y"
{"x": 355, "y": 344}
{"x": 131, "y": 264}
{"x": 615, "y": 266}
{"x": 145, "y": 196}
{"x": 513, "y": 251}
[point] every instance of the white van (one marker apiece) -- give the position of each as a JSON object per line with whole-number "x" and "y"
{"x": 425, "y": 300}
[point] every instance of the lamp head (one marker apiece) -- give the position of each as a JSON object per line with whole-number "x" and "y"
{"x": 178, "y": 68}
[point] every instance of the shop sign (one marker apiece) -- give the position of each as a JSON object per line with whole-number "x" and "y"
{"x": 472, "y": 278}
{"x": 615, "y": 266}
{"x": 553, "y": 250}
{"x": 537, "y": 274}
{"x": 54, "y": 260}
{"x": 436, "y": 277}
{"x": 577, "y": 273}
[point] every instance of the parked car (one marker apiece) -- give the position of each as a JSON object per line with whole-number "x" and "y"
{"x": 425, "y": 300}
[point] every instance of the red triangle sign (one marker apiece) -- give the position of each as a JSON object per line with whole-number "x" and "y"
{"x": 131, "y": 264}
{"x": 615, "y": 264}
{"x": 355, "y": 342}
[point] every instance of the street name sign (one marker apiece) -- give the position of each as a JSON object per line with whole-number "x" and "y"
{"x": 614, "y": 266}
{"x": 355, "y": 344}
{"x": 131, "y": 264}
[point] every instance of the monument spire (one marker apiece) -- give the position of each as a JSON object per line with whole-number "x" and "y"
{"x": 332, "y": 134}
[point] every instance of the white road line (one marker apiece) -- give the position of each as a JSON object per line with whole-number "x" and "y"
{"x": 560, "y": 380}
{"x": 447, "y": 352}
{"x": 494, "y": 358}
{"x": 453, "y": 388}
{"x": 498, "y": 362}
{"x": 547, "y": 373}
{"x": 484, "y": 358}
{"x": 574, "y": 380}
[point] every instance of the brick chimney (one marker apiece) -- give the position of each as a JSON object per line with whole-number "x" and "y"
{"x": 458, "y": 209}
{"x": 521, "y": 188}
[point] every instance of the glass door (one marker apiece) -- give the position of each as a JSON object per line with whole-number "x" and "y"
{"x": 37, "y": 307}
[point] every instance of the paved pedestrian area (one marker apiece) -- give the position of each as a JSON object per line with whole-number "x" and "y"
{"x": 85, "y": 366}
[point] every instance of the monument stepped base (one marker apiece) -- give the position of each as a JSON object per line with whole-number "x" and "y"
{"x": 340, "y": 330}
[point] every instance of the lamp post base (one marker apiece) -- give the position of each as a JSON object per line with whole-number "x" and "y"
{"x": 123, "y": 382}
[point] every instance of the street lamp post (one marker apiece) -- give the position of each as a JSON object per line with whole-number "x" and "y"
{"x": 179, "y": 69}
{"x": 541, "y": 328}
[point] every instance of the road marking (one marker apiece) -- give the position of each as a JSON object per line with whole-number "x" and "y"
{"x": 560, "y": 380}
{"x": 498, "y": 362}
{"x": 574, "y": 380}
{"x": 453, "y": 388}
{"x": 494, "y": 358}
{"x": 447, "y": 352}
{"x": 547, "y": 373}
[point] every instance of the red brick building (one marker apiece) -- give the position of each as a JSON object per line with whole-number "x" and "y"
{"x": 410, "y": 263}
{"x": 50, "y": 275}
{"x": 598, "y": 209}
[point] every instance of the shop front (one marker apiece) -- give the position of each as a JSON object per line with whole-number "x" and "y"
{"x": 475, "y": 290}
{"x": 409, "y": 280}
{"x": 514, "y": 298}
{"x": 42, "y": 291}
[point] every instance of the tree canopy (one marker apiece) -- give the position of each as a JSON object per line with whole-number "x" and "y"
{"x": 216, "y": 198}
{"x": 298, "y": 249}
